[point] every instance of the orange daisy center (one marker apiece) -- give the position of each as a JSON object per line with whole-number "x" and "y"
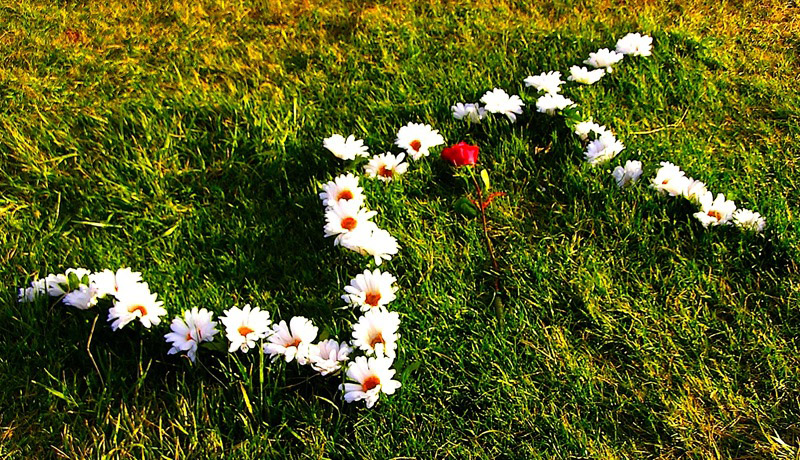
{"x": 715, "y": 214}
{"x": 376, "y": 340}
{"x": 416, "y": 145}
{"x": 373, "y": 298}
{"x": 295, "y": 343}
{"x": 244, "y": 330}
{"x": 385, "y": 172}
{"x": 348, "y": 223}
{"x": 371, "y": 382}
{"x": 345, "y": 195}
{"x": 140, "y": 308}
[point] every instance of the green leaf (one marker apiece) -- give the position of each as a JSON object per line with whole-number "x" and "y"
{"x": 485, "y": 176}
{"x": 464, "y": 207}
{"x": 73, "y": 281}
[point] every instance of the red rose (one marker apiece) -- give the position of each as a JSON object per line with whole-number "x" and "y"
{"x": 461, "y": 154}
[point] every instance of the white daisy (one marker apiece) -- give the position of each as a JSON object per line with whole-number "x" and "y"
{"x": 293, "y": 341}
{"x": 417, "y": 138}
{"x": 37, "y": 289}
{"x": 498, "y": 101}
{"x": 136, "y": 303}
{"x": 346, "y": 149}
{"x": 670, "y": 179}
{"x": 329, "y": 356}
{"x": 635, "y": 45}
{"x": 550, "y": 102}
{"x": 716, "y": 211}
{"x": 374, "y": 241}
{"x": 82, "y": 298}
{"x": 386, "y": 166}
{"x": 694, "y": 190}
{"x": 108, "y": 282}
{"x": 244, "y": 327}
{"x": 188, "y": 332}
{"x": 603, "y": 149}
{"x": 604, "y": 58}
{"x": 344, "y": 187}
{"x": 376, "y": 332}
{"x": 549, "y": 82}
{"x": 629, "y": 174}
{"x": 344, "y": 217}
{"x": 584, "y": 128}
{"x": 371, "y": 289}
{"x": 584, "y": 75}
{"x": 57, "y": 285}
{"x": 472, "y": 112}
{"x": 748, "y": 220}
{"x": 373, "y": 377}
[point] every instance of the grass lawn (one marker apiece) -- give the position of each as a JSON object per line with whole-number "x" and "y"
{"x": 184, "y": 139}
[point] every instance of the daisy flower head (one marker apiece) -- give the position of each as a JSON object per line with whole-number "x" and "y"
{"x": 82, "y": 298}
{"x": 344, "y": 187}
{"x": 375, "y": 242}
{"x": 628, "y": 174}
{"x": 188, "y": 332}
{"x": 635, "y": 45}
{"x": 328, "y": 356}
{"x": 371, "y": 289}
{"x": 695, "y": 189}
{"x": 549, "y": 82}
{"x": 376, "y": 332}
{"x": 603, "y": 149}
{"x": 472, "y": 112}
{"x": 36, "y": 289}
{"x": 136, "y": 303}
{"x": 245, "y": 326}
{"x": 345, "y": 217}
{"x": 498, "y": 101}
{"x": 292, "y": 341}
{"x": 57, "y": 285}
{"x": 110, "y": 283}
{"x": 749, "y": 220}
{"x": 417, "y": 138}
{"x": 604, "y": 58}
{"x": 584, "y": 75}
{"x": 584, "y": 128}
{"x": 345, "y": 149}
{"x": 670, "y": 179}
{"x": 373, "y": 376}
{"x": 551, "y": 102}
{"x": 386, "y": 166}
{"x": 715, "y": 211}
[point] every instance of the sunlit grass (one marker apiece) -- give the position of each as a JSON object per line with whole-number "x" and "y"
{"x": 185, "y": 141}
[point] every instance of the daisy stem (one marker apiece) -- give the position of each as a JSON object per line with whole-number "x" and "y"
{"x": 489, "y": 246}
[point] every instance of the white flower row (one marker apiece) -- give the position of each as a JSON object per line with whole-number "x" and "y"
{"x": 713, "y": 211}
{"x": 498, "y": 101}
{"x": 375, "y": 334}
{"x": 130, "y": 297}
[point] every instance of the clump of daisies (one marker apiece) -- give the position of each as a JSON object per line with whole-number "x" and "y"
{"x": 713, "y": 210}
{"x": 129, "y": 298}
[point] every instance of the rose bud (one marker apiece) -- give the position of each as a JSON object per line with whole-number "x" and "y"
{"x": 461, "y": 154}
